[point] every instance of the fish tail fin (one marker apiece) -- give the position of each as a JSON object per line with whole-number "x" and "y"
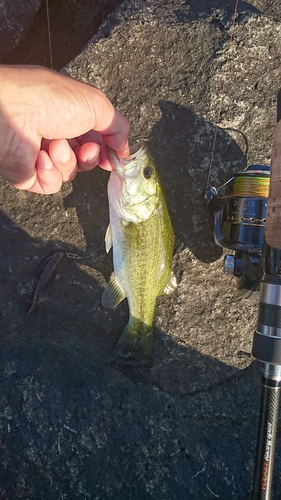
{"x": 135, "y": 343}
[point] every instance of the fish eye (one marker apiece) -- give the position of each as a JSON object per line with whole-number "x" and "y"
{"x": 148, "y": 172}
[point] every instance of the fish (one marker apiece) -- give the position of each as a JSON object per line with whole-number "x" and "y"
{"x": 141, "y": 234}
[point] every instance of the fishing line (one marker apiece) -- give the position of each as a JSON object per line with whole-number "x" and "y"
{"x": 49, "y": 34}
{"x": 222, "y": 90}
{"x": 245, "y": 141}
{"x": 251, "y": 187}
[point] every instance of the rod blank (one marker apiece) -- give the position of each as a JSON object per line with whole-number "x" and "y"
{"x": 267, "y": 437}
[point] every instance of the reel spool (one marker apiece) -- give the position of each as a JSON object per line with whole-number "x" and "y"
{"x": 239, "y": 207}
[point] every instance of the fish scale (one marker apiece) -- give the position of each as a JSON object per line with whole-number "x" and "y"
{"x": 144, "y": 280}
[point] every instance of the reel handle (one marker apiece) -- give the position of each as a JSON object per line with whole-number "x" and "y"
{"x": 273, "y": 219}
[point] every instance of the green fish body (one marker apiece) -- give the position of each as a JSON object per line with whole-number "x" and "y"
{"x": 142, "y": 237}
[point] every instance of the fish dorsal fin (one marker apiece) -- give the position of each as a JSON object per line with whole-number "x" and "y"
{"x": 108, "y": 238}
{"x": 113, "y": 293}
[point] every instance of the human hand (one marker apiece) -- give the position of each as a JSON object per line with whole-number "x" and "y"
{"x": 53, "y": 126}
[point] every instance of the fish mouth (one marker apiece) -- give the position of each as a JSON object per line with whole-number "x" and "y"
{"x": 134, "y": 149}
{"x": 132, "y": 162}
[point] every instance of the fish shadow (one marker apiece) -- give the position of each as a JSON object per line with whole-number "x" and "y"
{"x": 182, "y": 143}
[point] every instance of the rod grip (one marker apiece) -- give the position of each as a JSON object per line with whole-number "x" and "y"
{"x": 273, "y": 218}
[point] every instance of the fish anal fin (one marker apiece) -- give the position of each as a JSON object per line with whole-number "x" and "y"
{"x": 113, "y": 293}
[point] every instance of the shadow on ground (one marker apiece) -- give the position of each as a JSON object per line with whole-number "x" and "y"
{"x": 69, "y": 418}
{"x": 180, "y": 143}
{"x": 70, "y": 415}
{"x": 71, "y": 27}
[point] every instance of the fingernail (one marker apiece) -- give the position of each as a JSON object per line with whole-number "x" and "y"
{"x": 65, "y": 153}
{"x": 45, "y": 161}
{"x": 125, "y": 152}
{"x": 93, "y": 159}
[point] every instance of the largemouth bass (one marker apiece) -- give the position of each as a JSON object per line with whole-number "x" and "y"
{"x": 142, "y": 237}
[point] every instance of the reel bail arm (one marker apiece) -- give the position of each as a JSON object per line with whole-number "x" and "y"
{"x": 239, "y": 209}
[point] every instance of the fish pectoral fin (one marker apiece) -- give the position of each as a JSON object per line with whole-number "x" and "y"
{"x": 113, "y": 293}
{"x": 108, "y": 238}
{"x": 170, "y": 288}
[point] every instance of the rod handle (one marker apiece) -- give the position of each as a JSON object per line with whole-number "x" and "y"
{"x": 273, "y": 218}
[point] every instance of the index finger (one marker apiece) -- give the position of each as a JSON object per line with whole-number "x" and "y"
{"x": 90, "y": 109}
{"x": 116, "y": 136}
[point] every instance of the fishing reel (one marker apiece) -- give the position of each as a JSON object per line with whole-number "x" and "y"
{"x": 239, "y": 208}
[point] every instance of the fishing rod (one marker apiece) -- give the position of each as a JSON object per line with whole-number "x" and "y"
{"x": 247, "y": 220}
{"x": 267, "y": 337}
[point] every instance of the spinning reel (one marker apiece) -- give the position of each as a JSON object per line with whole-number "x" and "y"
{"x": 239, "y": 208}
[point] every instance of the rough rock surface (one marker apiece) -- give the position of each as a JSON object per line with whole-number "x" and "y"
{"x": 16, "y": 17}
{"x": 75, "y": 423}
{"x": 30, "y": 30}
